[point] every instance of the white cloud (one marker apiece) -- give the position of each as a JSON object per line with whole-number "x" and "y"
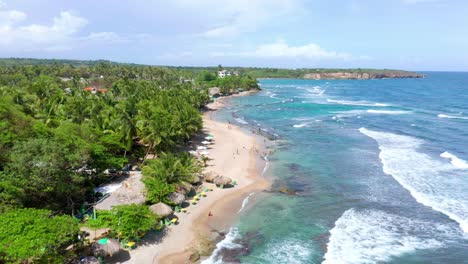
{"x": 36, "y": 36}
{"x": 225, "y": 18}
{"x": 281, "y": 49}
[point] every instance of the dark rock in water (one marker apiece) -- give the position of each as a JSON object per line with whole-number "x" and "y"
{"x": 243, "y": 248}
{"x": 322, "y": 240}
{"x": 294, "y": 167}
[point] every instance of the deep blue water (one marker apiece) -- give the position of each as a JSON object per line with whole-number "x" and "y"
{"x": 380, "y": 167}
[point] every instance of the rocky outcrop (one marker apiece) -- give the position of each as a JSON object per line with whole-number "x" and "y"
{"x": 361, "y": 75}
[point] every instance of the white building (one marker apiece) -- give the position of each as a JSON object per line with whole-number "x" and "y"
{"x": 224, "y": 73}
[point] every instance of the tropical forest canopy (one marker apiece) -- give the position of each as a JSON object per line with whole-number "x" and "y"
{"x": 64, "y": 123}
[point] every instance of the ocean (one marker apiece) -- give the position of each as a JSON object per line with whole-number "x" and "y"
{"x": 379, "y": 169}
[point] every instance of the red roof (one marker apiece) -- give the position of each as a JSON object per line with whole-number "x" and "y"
{"x": 102, "y": 90}
{"x": 89, "y": 89}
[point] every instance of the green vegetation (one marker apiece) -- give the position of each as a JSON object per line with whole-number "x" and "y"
{"x": 128, "y": 222}
{"x": 162, "y": 174}
{"x": 63, "y": 123}
{"x": 34, "y": 235}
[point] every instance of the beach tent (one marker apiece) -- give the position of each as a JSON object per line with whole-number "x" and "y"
{"x": 204, "y": 152}
{"x": 201, "y": 148}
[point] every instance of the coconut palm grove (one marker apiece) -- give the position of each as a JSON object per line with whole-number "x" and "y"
{"x": 67, "y": 127}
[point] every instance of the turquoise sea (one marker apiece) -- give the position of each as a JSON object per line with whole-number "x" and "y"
{"x": 380, "y": 169}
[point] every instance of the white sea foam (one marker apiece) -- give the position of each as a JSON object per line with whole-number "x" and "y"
{"x": 372, "y": 236}
{"x": 430, "y": 181}
{"x": 245, "y": 202}
{"x": 241, "y": 120}
{"x": 452, "y": 117}
{"x": 267, "y": 164}
{"x": 387, "y": 112}
{"x": 291, "y": 251}
{"x": 361, "y": 103}
{"x": 227, "y": 242}
{"x": 316, "y": 90}
{"x": 456, "y": 161}
{"x": 301, "y": 125}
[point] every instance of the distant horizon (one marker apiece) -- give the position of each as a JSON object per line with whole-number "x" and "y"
{"x": 228, "y": 66}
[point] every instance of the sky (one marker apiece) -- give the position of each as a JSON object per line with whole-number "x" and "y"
{"x": 398, "y": 34}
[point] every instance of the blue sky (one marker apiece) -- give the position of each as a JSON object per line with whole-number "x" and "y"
{"x": 401, "y": 34}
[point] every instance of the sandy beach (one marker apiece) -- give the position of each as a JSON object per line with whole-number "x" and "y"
{"x": 234, "y": 154}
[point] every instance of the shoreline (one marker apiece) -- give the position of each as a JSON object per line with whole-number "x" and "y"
{"x": 235, "y": 154}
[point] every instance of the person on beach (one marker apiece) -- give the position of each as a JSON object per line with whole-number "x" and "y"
{"x": 210, "y": 214}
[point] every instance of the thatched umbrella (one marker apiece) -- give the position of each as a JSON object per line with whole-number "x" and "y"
{"x": 210, "y": 176}
{"x": 222, "y": 180}
{"x": 196, "y": 179}
{"x": 176, "y": 198}
{"x": 108, "y": 246}
{"x": 185, "y": 188}
{"x": 161, "y": 209}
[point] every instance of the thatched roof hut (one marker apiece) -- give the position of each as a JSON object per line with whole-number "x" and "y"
{"x": 176, "y": 198}
{"x": 210, "y": 176}
{"x": 222, "y": 180}
{"x": 161, "y": 209}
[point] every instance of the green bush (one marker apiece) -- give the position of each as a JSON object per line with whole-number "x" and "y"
{"x": 32, "y": 235}
{"x": 125, "y": 221}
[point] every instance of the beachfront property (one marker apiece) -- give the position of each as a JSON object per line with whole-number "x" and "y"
{"x": 224, "y": 73}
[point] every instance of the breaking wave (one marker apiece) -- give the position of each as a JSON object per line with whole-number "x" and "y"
{"x": 430, "y": 181}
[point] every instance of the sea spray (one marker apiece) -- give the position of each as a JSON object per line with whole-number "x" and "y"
{"x": 226, "y": 243}
{"x": 374, "y": 236}
{"x": 456, "y": 161}
{"x": 429, "y": 181}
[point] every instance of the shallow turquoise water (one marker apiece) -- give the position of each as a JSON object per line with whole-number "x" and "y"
{"x": 379, "y": 165}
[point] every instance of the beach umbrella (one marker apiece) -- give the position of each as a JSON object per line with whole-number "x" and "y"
{"x": 204, "y": 152}
{"x": 210, "y": 137}
{"x": 222, "y": 180}
{"x": 206, "y": 142}
{"x": 176, "y": 198}
{"x": 161, "y": 209}
{"x": 108, "y": 246}
{"x": 201, "y": 148}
